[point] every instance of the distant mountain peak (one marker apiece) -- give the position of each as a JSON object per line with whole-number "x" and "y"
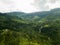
{"x": 55, "y": 9}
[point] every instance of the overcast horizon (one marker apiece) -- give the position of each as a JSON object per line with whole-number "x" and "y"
{"x": 28, "y": 6}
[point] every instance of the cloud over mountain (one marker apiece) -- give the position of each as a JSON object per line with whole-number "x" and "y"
{"x": 47, "y": 4}
{"x": 28, "y": 5}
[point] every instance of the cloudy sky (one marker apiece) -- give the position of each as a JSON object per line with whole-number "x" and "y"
{"x": 28, "y": 5}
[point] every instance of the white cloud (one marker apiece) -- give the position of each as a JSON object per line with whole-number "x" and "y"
{"x": 47, "y": 4}
{"x": 28, "y": 5}
{"x": 17, "y": 5}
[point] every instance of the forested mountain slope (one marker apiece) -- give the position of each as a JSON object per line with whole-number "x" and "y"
{"x": 39, "y": 28}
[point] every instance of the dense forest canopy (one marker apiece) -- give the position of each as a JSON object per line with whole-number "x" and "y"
{"x": 39, "y": 28}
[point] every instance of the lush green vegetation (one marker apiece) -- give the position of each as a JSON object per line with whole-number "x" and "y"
{"x": 39, "y": 28}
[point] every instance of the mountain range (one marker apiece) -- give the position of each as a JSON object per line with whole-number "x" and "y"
{"x": 38, "y": 28}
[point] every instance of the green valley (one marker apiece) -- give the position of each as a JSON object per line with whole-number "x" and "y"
{"x": 38, "y": 28}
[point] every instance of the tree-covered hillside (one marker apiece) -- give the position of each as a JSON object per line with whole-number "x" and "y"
{"x": 39, "y": 28}
{"x": 37, "y": 16}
